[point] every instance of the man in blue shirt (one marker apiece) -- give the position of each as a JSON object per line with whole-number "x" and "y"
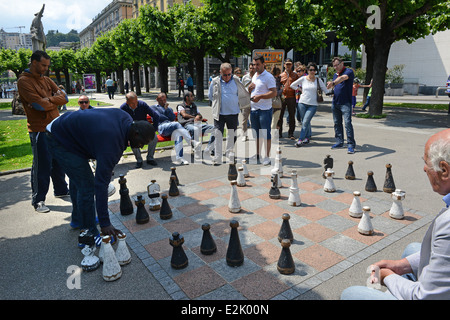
{"x": 342, "y": 104}
{"x": 139, "y": 110}
{"x": 110, "y": 87}
{"x": 101, "y": 134}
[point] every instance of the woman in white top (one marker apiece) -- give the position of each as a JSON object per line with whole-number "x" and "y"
{"x": 307, "y": 104}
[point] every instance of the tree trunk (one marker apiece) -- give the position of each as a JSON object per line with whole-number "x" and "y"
{"x": 98, "y": 80}
{"x": 120, "y": 80}
{"x": 137, "y": 79}
{"x": 68, "y": 84}
{"x": 382, "y": 46}
{"x": 163, "y": 68}
{"x": 130, "y": 75}
{"x": 369, "y": 69}
{"x": 147, "y": 79}
{"x": 200, "y": 68}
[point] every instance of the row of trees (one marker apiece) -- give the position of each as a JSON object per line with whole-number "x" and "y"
{"x": 223, "y": 29}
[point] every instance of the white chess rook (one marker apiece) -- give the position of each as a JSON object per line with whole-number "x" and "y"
{"x": 234, "y": 205}
{"x": 355, "y": 209}
{"x": 365, "y": 225}
{"x": 396, "y": 211}
{"x": 240, "y": 178}
{"x": 329, "y": 183}
{"x": 122, "y": 253}
{"x": 111, "y": 267}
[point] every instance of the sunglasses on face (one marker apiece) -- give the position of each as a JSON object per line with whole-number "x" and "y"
{"x": 83, "y": 102}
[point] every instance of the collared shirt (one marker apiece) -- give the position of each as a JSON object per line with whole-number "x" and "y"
{"x": 447, "y": 200}
{"x": 229, "y": 99}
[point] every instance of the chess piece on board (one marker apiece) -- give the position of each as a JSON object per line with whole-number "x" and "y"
{"x": 208, "y": 245}
{"x": 274, "y": 192}
{"x": 153, "y": 191}
{"x": 355, "y": 209}
{"x": 294, "y": 181}
{"x": 274, "y": 172}
{"x": 122, "y": 253}
{"x": 174, "y": 173}
{"x": 328, "y": 164}
{"x": 232, "y": 172}
{"x": 365, "y": 225}
{"x": 285, "y": 263}
{"x": 329, "y": 183}
{"x": 235, "y": 255}
{"x": 370, "y": 184}
{"x": 165, "y": 212}
{"x": 234, "y": 205}
{"x": 396, "y": 211}
{"x": 90, "y": 261}
{"x": 285, "y": 230}
{"x": 240, "y": 178}
{"x": 179, "y": 259}
{"x": 278, "y": 166}
{"x": 111, "y": 267}
{"x": 350, "y": 174}
{"x": 294, "y": 192}
{"x": 245, "y": 169}
{"x": 389, "y": 185}
{"x": 141, "y": 213}
{"x": 126, "y": 207}
{"x": 173, "y": 189}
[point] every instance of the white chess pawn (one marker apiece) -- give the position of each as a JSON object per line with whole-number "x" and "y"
{"x": 355, "y": 209}
{"x": 153, "y": 190}
{"x": 245, "y": 170}
{"x": 122, "y": 253}
{"x": 111, "y": 267}
{"x": 365, "y": 225}
{"x": 279, "y": 162}
{"x": 274, "y": 172}
{"x": 294, "y": 182}
{"x": 396, "y": 211}
{"x": 240, "y": 178}
{"x": 329, "y": 183}
{"x": 234, "y": 205}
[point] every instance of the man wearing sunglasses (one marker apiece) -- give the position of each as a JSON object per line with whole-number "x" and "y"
{"x": 83, "y": 102}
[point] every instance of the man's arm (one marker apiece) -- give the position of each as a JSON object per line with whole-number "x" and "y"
{"x": 268, "y": 95}
{"x": 28, "y": 93}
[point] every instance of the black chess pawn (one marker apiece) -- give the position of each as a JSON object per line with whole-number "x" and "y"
{"x": 165, "y": 212}
{"x": 141, "y": 213}
{"x": 126, "y": 207}
{"x": 328, "y": 164}
{"x": 174, "y": 173}
{"x": 350, "y": 175}
{"x": 173, "y": 190}
{"x": 370, "y": 184}
{"x": 235, "y": 255}
{"x": 208, "y": 246}
{"x": 285, "y": 230}
{"x": 232, "y": 171}
{"x": 274, "y": 192}
{"x": 389, "y": 185}
{"x": 179, "y": 259}
{"x": 286, "y": 263}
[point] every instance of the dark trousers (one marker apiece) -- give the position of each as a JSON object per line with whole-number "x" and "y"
{"x": 291, "y": 106}
{"x": 111, "y": 92}
{"x": 231, "y": 121}
{"x": 43, "y": 168}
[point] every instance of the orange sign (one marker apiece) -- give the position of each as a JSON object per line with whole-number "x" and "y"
{"x": 272, "y": 57}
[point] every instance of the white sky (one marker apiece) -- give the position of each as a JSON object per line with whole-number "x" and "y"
{"x": 58, "y": 14}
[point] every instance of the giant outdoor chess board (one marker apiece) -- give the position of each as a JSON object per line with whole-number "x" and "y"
{"x": 326, "y": 240}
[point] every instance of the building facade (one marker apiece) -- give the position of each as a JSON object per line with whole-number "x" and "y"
{"x": 15, "y": 40}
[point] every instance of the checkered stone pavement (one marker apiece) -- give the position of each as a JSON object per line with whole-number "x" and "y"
{"x": 326, "y": 240}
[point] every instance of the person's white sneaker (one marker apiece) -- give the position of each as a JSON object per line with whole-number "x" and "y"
{"x": 181, "y": 161}
{"x": 41, "y": 207}
{"x": 266, "y": 161}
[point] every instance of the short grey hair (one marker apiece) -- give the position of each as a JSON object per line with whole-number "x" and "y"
{"x": 226, "y": 66}
{"x": 131, "y": 95}
{"x": 439, "y": 151}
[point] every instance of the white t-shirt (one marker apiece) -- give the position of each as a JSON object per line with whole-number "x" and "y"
{"x": 309, "y": 90}
{"x": 263, "y": 83}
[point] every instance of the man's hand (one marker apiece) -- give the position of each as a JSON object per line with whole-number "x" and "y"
{"x": 111, "y": 231}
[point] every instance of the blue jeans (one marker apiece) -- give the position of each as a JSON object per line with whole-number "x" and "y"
{"x": 43, "y": 168}
{"x": 307, "y": 112}
{"x": 343, "y": 112}
{"x": 195, "y": 129}
{"x": 366, "y": 293}
{"x": 261, "y": 121}
{"x": 82, "y": 185}
{"x": 178, "y": 132}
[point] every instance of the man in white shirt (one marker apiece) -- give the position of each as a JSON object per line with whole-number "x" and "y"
{"x": 262, "y": 90}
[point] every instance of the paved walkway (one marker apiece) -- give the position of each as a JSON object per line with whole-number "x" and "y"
{"x": 38, "y": 249}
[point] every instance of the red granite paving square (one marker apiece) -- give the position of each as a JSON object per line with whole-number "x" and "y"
{"x": 242, "y": 195}
{"x": 315, "y": 232}
{"x": 259, "y": 285}
{"x": 203, "y": 195}
{"x": 211, "y": 184}
{"x": 347, "y": 198}
{"x": 309, "y": 186}
{"x": 263, "y": 253}
{"x": 344, "y": 214}
{"x": 267, "y": 198}
{"x": 181, "y": 225}
{"x": 159, "y": 249}
{"x": 221, "y": 229}
{"x": 114, "y": 207}
{"x": 229, "y": 215}
{"x": 368, "y": 240}
{"x": 270, "y": 212}
{"x": 312, "y": 213}
{"x": 199, "y": 281}
{"x": 219, "y": 254}
{"x": 193, "y": 208}
{"x": 318, "y": 257}
{"x": 409, "y": 217}
{"x": 132, "y": 226}
{"x": 266, "y": 230}
{"x": 312, "y": 198}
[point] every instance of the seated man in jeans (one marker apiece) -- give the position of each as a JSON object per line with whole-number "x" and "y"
{"x": 168, "y": 127}
{"x": 191, "y": 119}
